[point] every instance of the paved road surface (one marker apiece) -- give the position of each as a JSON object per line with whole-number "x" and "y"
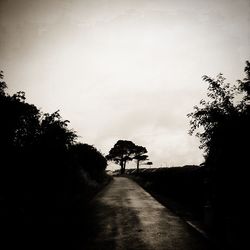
{"x": 126, "y": 217}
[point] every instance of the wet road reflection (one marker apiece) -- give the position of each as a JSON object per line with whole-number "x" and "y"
{"x": 125, "y": 216}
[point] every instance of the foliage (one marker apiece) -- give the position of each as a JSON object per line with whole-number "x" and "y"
{"x": 90, "y": 159}
{"x": 124, "y": 151}
{"x": 223, "y": 122}
{"x": 222, "y": 114}
{"x": 3, "y": 85}
{"x": 244, "y": 86}
{"x": 43, "y": 169}
{"x": 121, "y": 153}
{"x": 213, "y": 112}
{"x": 54, "y": 129}
{"x": 140, "y": 155}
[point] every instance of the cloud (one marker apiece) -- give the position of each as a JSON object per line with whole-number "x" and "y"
{"x": 124, "y": 69}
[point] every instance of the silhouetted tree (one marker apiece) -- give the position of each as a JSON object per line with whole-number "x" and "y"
{"x": 89, "y": 159}
{"x": 244, "y": 87}
{"x": 121, "y": 153}
{"x": 223, "y": 123}
{"x": 20, "y": 125}
{"x": 55, "y": 133}
{"x": 3, "y": 85}
{"x": 42, "y": 168}
{"x": 139, "y": 155}
{"x": 221, "y": 116}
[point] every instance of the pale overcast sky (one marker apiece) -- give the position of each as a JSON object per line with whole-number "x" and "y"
{"x": 124, "y": 69}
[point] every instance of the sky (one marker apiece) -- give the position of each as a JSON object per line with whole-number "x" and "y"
{"x": 124, "y": 69}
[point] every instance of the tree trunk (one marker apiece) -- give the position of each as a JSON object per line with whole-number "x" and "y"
{"x": 137, "y": 167}
{"x": 124, "y": 166}
{"x": 122, "y": 169}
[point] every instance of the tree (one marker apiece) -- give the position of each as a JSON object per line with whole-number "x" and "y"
{"x": 55, "y": 133}
{"x": 124, "y": 151}
{"x": 244, "y": 86}
{"x": 3, "y": 85}
{"x": 121, "y": 153}
{"x": 139, "y": 155}
{"x": 214, "y": 112}
{"x": 223, "y": 123}
{"x": 89, "y": 159}
{"x": 222, "y": 119}
{"x": 42, "y": 168}
{"x": 20, "y": 123}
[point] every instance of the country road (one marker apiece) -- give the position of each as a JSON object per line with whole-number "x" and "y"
{"x": 126, "y": 217}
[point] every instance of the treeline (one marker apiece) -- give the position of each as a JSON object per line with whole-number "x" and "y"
{"x": 46, "y": 176}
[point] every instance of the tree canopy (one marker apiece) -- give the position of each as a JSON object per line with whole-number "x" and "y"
{"x": 43, "y": 167}
{"x": 222, "y": 123}
{"x": 222, "y": 114}
{"x": 124, "y": 151}
{"x": 121, "y": 153}
{"x": 140, "y": 155}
